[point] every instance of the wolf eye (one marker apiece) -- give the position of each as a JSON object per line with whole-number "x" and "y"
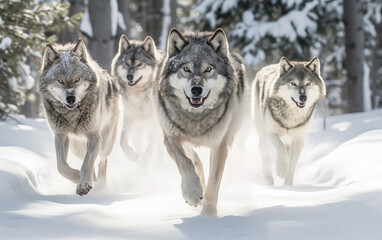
{"x": 308, "y": 83}
{"x": 60, "y": 81}
{"x": 139, "y": 64}
{"x": 208, "y": 69}
{"x": 186, "y": 69}
{"x": 77, "y": 80}
{"x": 293, "y": 84}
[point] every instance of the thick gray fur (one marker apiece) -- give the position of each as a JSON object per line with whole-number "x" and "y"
{"x": 213, "y": 124}
{"x": 280, "y": 116}
{"x": 90, "y": 127}
{"x": 137, "y": 59}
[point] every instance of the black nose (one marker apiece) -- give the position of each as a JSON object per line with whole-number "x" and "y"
{"x": 196, "y": 91}
{"x": 130, "y": 77}
{"x": 303, "y": 98}
{"x": 70, "y": 99}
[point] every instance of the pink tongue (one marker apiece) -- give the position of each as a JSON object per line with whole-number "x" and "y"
{"x": 71, "y": 105}
{"x": 196, "y": 100}
{"x": 301, "y": 104}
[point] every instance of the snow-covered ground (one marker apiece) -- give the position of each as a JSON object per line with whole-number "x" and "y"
{"x": 337, "y": 192}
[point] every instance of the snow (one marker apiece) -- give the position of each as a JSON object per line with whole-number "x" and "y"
{"x": 166, "y": 11}
{"x": 1, "y": 21}
{"x": 114, "y": 17}
{"x": 86, "y": 25}
{"x": 5, "y": 43}
{"x": 366, "y": 87}
{"x": 121, "y": 21}
{"x": 295, "y": 23}
{"x": 337, "y": 192}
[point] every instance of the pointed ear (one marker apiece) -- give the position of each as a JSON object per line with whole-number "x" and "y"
{"x": 50, "y": 55}
{"x": 285, "y": 66}
{"x": 149, "y": 46}
{"x": 175, "y": 42}
{"x": 219, "y": 42}
{"x": 124, "y": 44}
{"x": 314, "y": 66}
{"x": 80, "y": 50}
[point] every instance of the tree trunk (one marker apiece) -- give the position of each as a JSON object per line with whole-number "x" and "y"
{"x": 124, "y": 8}
{"x": 354, "y": 43}
{"x": 375, "y": 69}
{"x": 75, "y": 7}
{"x": 101, "y": 45}
{"x": 154, "y": 24}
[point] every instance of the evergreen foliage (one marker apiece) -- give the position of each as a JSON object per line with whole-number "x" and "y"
{"x": 25, "y": 27}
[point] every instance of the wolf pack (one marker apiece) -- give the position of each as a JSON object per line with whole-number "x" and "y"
{"x": 199, "y": 94}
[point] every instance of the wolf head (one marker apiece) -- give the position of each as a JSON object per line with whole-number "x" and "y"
{"x": 300, "y": 83}
{"x": 135, "y": 61}
{"x": 66, "y": 74}
{"x": 198, "y": 71}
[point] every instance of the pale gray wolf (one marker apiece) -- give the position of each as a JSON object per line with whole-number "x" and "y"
{"x": 81, "y": 104}
{"x": 201, "y": 88}
{"x": 284, "y": 97}
{"x": 133, "y": 67}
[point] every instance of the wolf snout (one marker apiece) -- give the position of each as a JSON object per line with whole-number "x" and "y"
{"x": 70, "y": 99}
{"x": 130, "y": 77}
{"x": 196, "y": 91}
{"x": 303, "y": 98}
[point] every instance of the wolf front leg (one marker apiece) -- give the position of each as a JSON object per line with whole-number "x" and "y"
{"x": 217, "y": 163}
{"x": 282, "y": 157}
{"x": 192, "y": 190}
{"x": 62, "y": 145}
{"x": 127, "y": 149}
{"x": 87, "y": 169}
{"x": 295, "y": 150}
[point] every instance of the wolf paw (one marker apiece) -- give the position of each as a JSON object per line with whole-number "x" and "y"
{"x": 83, "y": 188}
{"x": 209, "y": 210}
{"x": 192, "y": 190}
{"x": 268, "y": 180}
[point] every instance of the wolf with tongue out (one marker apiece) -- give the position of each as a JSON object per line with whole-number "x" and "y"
{"x": 201, "y": 89}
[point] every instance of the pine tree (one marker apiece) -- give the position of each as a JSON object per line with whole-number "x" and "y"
{"x": 25, "y": 28}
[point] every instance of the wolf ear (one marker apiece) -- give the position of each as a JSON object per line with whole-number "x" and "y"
{"x": 149, "y": 46}
{"x": 218, "y": 42}
{"x": 285, "y": 66}
{"x": 175, "y": 42}
{"x": 50, "y": 55}
{"x": 80, "y": 50}
{"x": 124, "y": 44}
{"x": 314, "y": 66}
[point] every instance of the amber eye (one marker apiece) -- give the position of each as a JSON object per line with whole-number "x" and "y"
{"x": 308, "y": 83}
{"x": 208, "y": 69}
{"x": 186, "y": 69}
{"x": 60, "y": 81}
{"x": 139, "y": 64}
{"x": 293, "y": 84}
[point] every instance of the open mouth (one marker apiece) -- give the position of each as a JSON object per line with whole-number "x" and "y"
{"x": 299, "y": 104}
{"x": 131, "y": 83}
{"x": 197, "y": 101}
{"x": 70, "y": 106}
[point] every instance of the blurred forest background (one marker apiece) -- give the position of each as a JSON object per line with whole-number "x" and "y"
{"x": 345, "y": 35}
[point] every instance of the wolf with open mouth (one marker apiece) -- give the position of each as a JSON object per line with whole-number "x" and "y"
{"x": 200, "y": 92}
{"x": 81, "y": 105}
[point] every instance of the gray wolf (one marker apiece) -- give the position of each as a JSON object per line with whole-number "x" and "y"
{"x": 200, "y": 91}
{"x": 133, "y": 67}
{"x": 81, "y": 104}
{"x": 284, "y": 97}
